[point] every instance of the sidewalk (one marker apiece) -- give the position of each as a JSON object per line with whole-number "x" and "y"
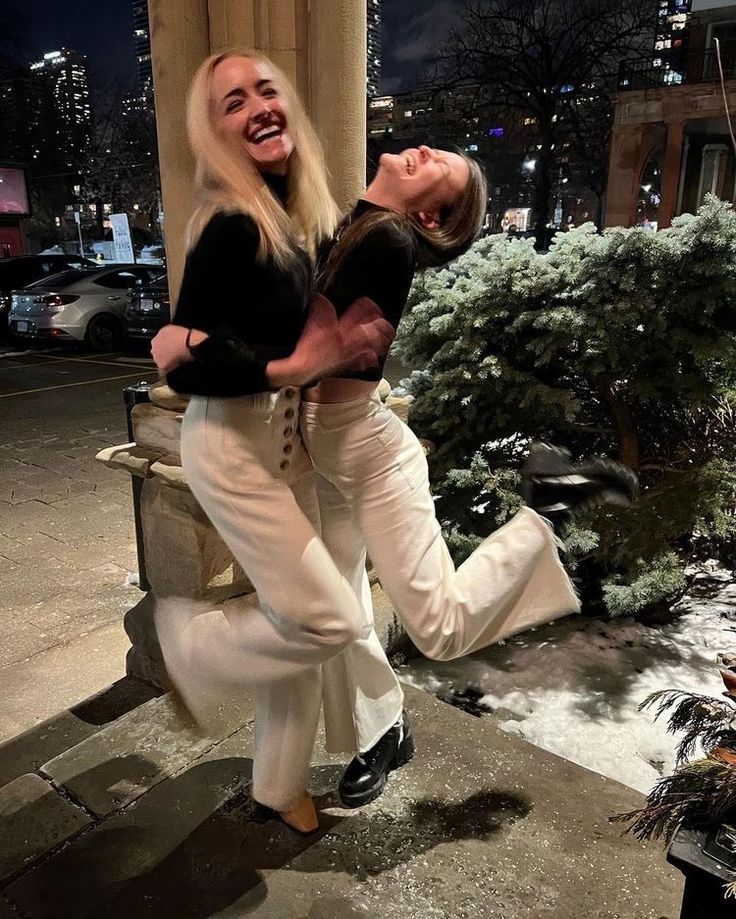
{"x": 117, "y": 807}
{"x": 143, "y": 817}
{"x": 67, "y": 542}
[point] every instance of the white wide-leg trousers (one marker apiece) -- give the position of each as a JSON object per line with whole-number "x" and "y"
{"x": 514, "y": 580}
{"x": 247, "y": 467}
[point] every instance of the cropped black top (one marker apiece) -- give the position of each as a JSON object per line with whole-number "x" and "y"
{"x": 381, "y": 267}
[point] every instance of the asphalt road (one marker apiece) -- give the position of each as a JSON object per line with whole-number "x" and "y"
{"x": 42, "y": 372}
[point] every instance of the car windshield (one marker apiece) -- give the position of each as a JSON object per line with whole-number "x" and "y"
{"x": 61, "y": 279}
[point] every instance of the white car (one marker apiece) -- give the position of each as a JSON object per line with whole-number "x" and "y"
{"x": 78, "y": 305}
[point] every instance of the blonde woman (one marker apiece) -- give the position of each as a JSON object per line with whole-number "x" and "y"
{"x": 263, "y": 207}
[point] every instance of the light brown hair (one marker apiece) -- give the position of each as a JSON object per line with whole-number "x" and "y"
{"x": 460, "y": 223}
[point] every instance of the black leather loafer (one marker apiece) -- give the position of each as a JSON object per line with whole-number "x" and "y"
{"x": 367, "y": 774}
{"x": 558, "y": 489}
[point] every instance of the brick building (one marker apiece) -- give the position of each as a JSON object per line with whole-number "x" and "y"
{"x": 671, "y": 144}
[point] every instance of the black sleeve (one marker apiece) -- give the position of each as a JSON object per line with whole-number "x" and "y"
{"x": 224, "y": 364}
{"x": 382, "y": 268}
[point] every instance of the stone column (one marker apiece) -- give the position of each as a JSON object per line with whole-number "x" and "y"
{"x": 279, "y": 28}
{"x": 179, "y": 44}
{"x": 671, "y": 173}
{"x": 623, "y": 175}
{"x": 337, "y": 68}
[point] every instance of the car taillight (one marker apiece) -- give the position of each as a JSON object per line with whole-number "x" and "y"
{"x": 56, "y": 299}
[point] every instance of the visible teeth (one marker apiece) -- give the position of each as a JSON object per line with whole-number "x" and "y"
{"x": 270, "y": 131}
{"x": 410, "y": 165}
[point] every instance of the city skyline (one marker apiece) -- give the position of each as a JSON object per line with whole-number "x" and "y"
{"x": 410, "y": 30}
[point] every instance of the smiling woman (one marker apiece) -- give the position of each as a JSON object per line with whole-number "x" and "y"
{"x": 264, "y": 206}
{"x": 252, "y": 113}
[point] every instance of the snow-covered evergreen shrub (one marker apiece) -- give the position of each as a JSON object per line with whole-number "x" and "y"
{"x": 621, "y": 344}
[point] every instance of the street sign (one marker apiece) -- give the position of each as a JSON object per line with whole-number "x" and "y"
{"x": 122, "y": 238}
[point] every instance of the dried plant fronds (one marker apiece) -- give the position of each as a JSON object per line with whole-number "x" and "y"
{"x": 700, "y": 792}
{"x": 705, "y": 720}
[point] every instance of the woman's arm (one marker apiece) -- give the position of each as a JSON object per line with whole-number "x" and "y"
{"x": 356, "y": 341}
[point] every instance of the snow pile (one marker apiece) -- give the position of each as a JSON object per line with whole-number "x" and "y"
{"x": 574, "y": 687}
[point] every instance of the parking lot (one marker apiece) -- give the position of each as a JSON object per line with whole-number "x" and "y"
{"x": 67, "y": 544}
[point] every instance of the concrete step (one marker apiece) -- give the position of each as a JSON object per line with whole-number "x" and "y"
{"x": 156, "y": 740}
{"x": 480, "y": 824}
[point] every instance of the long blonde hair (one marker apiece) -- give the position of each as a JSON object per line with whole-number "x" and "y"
{"x": 228, "y": 180}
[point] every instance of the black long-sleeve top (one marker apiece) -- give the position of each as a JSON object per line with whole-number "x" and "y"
{"x": 381, "y": 267}
{"x": 254, "y": 311}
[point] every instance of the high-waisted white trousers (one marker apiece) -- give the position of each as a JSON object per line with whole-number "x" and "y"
{"x": 246, "y": 465}
{"x": 512, "y": 581}
{"x": 312, "y": 639}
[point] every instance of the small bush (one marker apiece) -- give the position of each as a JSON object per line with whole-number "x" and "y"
{"x": 619, "y": 344}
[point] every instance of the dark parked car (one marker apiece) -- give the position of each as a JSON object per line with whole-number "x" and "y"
{"x": 148, "y": 309}
{"x": 20, "y": 270}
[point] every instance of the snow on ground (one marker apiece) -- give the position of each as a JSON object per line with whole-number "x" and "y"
{"x": 574, "y": 687}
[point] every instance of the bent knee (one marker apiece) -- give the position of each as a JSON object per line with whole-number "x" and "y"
{"x": 343, "y": 631}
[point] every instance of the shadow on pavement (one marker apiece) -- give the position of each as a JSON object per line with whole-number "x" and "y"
{"x": 174, "y": 855}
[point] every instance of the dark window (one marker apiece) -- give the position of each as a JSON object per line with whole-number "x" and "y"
{"x": 123, "y": 279}
{"x": 61, "y": 279}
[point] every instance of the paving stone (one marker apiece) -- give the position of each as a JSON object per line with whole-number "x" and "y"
{"x": 21, "y": 640}
{"x": 182, "y": 825}
{"x": 129, "y": 757}
{"x": 479, "y": 825}
{"x": 33, "y": 819}
{"x": 59, "y": 677}
{"x": 12, "y": 550}
{"x": 28, "y": 751}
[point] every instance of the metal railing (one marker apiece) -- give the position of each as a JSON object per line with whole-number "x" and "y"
{"x": 696, "y": 68}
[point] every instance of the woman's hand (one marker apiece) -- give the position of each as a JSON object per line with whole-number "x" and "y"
{"x": 169, "y": 346}
{"x": 329, "y": 345}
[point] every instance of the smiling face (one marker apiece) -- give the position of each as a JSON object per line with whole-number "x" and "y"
{"x": 423, "y": 180}
{"x": 250, "y": 112}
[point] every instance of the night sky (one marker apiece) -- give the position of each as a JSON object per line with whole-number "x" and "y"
{"x": 102, "y": 29}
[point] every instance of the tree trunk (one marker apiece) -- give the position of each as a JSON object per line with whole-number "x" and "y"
{"x": 628, "y": 442}
{"x": 100, "y": 216}
{"x": 542, "y": 195}
{"x": 599, "y": 209}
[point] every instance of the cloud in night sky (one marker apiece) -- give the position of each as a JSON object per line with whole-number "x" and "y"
{"x": 413, "y": 29}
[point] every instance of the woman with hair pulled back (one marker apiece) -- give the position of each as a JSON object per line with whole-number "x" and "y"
{"x": 424, "y": 207}
{"x": 263, "y": 207}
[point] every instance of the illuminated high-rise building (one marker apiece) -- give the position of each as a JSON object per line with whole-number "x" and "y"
{"x": 672, "y": 34}
{"x": 374, "y": 47}
{"x": 142, "y": 40}
{"x": 65, "y": 71}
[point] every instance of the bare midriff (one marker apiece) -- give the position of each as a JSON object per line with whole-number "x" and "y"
{"x": 338, "y": 390}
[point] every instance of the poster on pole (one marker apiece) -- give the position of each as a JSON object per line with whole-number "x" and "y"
{"x": 121, "y": 237}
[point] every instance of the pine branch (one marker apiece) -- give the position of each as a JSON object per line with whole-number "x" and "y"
{"x": 703, "y": 719}
{"x": 700, "y": 792}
